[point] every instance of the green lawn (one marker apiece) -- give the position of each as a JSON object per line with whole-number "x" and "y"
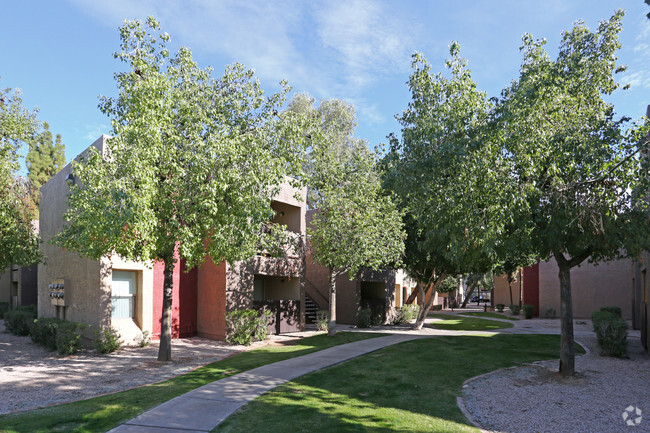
{"x": 101, "y": 414}
{"x": 409, "y": 387}
{"x": 488, "y": 314}
{"x": 454, "y": 322}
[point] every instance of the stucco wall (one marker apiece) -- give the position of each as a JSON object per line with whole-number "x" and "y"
{"x": 211, "y": 300}
{"x": 502, "y": 290}
{"x": 593, "y": 286}
{"x": 86, "y": 293}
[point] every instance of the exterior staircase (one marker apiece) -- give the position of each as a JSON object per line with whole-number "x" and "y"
{"x": 314, "y": 301}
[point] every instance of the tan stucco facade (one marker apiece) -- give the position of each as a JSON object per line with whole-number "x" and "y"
{"x": 592, "y": 286}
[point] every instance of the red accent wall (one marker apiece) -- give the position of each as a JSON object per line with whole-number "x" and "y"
{"x": 187, "y": 326}
{"x": 211, "y": 300}
{"x": 531, "y": 287}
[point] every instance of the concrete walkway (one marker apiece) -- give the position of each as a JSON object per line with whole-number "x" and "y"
{"x": 202, "y": 409}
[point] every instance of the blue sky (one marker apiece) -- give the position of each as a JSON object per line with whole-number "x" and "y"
{"x": 60, "y": 52}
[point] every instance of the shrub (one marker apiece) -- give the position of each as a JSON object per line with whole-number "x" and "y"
{"x": 18, "y": 320}
{"x": 322, "y": 323}
{"x": 364, "y": 318}
{"x": 529, "y": 310}
{"x": 242, "y": 326}
{"x": 614, "y": 310}
{"x": 514, "y": 309}
{"x": 611, "y": 331}
{"x": 405, "y": 314}
{"x": 107, "y": 340}
{"x": 4, "y": 307}
{"x": 500, "y": 307}
{"x": 44, "y": 332}
{"x": 144, "y": 339}
{"x": 550, "y": 313}
{"x": 68, "y": 337}
{"x": 262, "y": 323}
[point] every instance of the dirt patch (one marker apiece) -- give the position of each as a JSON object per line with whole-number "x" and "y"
{"x": 31, "y": 377}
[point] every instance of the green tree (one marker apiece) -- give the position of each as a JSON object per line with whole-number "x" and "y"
{"x": 44, "y": 159}
{"x": 18, "y": 240}
{"x": 355, "y": 226}
{"x": 447, "y": 174}
{"x": 580, "y": 173}
{"x": 192, "y": 167}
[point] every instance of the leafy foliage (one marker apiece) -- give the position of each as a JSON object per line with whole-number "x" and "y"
{"x": 18, "y": 240}
{"x": 107, "y": 340}
{"x": 44, "y": 159}
{"x": 193, "y": 164}
{"x": 578, "y": 168}
{"x": 245, "y": 326}
{"x": 447, "y": 173}
{"x": 611, "y": 331}
{"x": 354, "y": 225}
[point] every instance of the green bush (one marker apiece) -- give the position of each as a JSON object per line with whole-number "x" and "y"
{"x": 322, "y": 324}
{"x": 262, "y": 323}
{"x": 18, "y": 320}
{"x": 550, "y": 313}
{"x": 107, "y": 340}
{"x": 611, "y": 331}
{"x": 529, "y": 310}
{"x": 614, "y": 310}
{"x": 405, "y": 314}
{"x": 364, "y": 318}
{"x": 144, "y": 339}
{"x": 242, "y": 326}
{"x": 4, "y": 307}
{"x": 514, "y": 309}
{"x": 68, "y": 337}
{"x": 500, "y": 307}
{"x": 44, "y": 332}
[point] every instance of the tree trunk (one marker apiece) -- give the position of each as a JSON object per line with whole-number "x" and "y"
{"x": 331, "y": 325}
{"x": 469, "y": 294}
{"x": 426, "y": 307}
{"x": 510, "y": 288}
{"x": 567, "y": 355}
{"x": 165, "y": 348}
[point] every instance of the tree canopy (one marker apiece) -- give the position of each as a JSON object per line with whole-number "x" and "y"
{"x": 192, "y": 166}
{"x": 447, "y": 173}
{"x": 577, "y": 164}
{"x": 18, "y": 238}
{"x": 354, "y": 225}
{"x": 44, "y": 159}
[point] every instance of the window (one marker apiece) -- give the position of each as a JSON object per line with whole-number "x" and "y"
{"x": 123, "y": 294}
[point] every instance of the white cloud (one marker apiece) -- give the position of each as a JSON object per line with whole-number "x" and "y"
{"x": 93, "y": 131}
{"x": 367, "y": 39}
{"x": 329, "y": 49}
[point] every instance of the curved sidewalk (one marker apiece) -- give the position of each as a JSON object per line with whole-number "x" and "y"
{"x": 202, "y": 409}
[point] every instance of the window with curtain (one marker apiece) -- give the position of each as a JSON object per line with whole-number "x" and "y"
{"x": 123, "y": 294}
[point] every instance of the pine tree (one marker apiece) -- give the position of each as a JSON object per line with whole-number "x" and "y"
{"x": 44, "y": 159}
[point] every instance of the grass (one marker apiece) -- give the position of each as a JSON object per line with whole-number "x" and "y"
{"x": 409, "y": 387}
{"x": 458, "y": 323}
{"x": 487, "y": 314}
{"x": 103, "y": 413}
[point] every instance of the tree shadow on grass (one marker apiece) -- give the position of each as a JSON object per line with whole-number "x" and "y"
{"x": 411, "y": 386}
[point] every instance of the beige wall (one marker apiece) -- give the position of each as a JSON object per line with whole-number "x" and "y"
{"x": 502, "y": 290}
{"x": 608, "y": 284}
{"x": 86, "y": 297}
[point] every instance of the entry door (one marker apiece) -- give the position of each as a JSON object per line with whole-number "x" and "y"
{"x": 123, "y": 294}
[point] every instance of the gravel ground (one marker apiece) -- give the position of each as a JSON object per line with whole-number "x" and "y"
{"x": 534, "y": 398}
{"x": 32, "y": 377}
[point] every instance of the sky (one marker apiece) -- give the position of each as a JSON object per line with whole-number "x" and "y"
{"x": 60, "y": 53}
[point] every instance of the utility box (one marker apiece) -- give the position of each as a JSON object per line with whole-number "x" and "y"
{"x": 57, "y": 292}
